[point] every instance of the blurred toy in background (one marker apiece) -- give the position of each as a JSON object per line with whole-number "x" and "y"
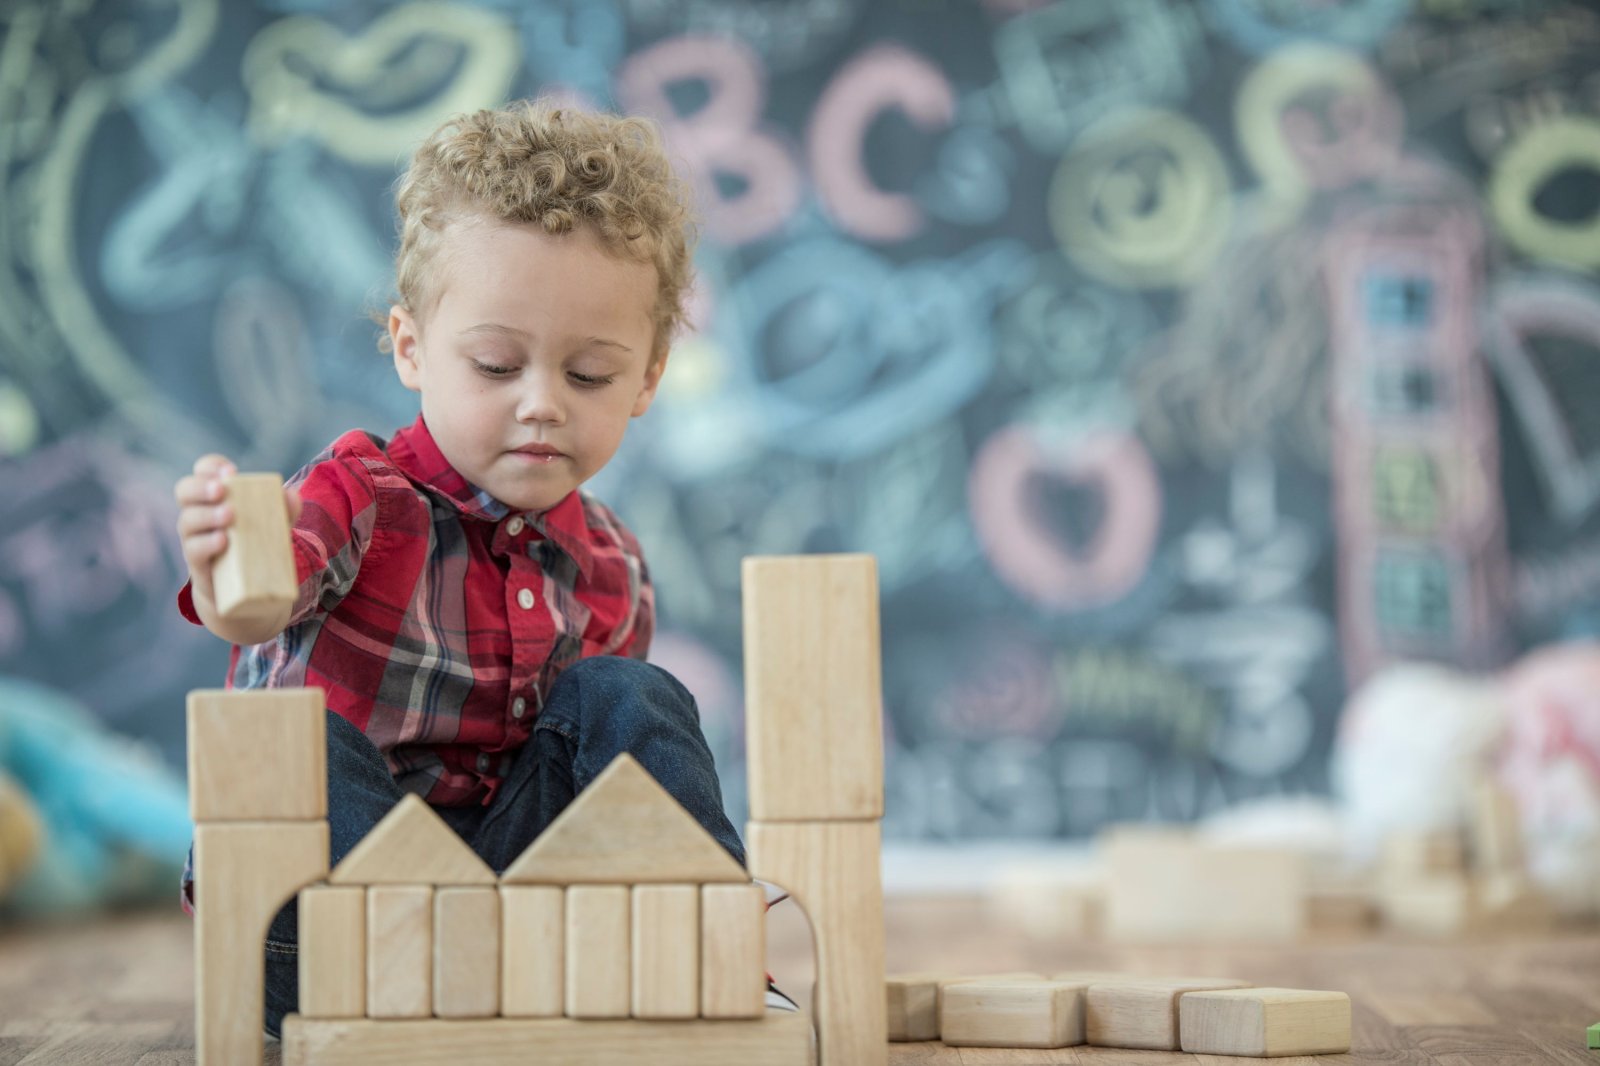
{"x": 96, "y": 819}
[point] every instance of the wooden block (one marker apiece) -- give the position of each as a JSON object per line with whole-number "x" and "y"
{"x": 1594, "y": 1036}
{"x": 1142, "y": 1012}
{"x": 1047, "y": 903}
{"x": 1496, "y": 828}
{"x": 1264, "y": 1022}
{"x": 1036, "y": 1014}
{"x": 333, "y": 951}
{"x": 1416, "y": 853}
{"x": 912, "y": 1004}
{"x": 961, "y": 979}
{"x": 782, "y": 1038}
{"x": 1165, "y": 885}
{"x": 533, "y": 957}
{"x": 833, "y": 869}
{"x": 412, "y": 845}
{"x": 624, "y": 828}
{"x": 255, "y": 575}
{"x": 666, "y": 951}
{"x": 466, "y": 952}
{"x": 813, "y": 687}
{"x": 733, "y": 951}
{"x": 1429, "y": 904}
{"x": 598, "y": 984}
{"x": 244, "y": 872}
{"x": 258, "y": 755}
{"x": 399, "y": 951}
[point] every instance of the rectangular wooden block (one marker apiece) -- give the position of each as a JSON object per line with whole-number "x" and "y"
{"x": 598, "y": 963}
{"x": 666, "y": 951}
{"x": 1414, "y": 853}
{"x": 399, "y": 951}
{"x": 813, "y": 687}
{"x": 1442, "y": 904}
{"x": 333, "y": 952}
{"x": 1264, "y": 1022}
{"x": 913, "y": 1005}
{"x": 1035, "y": 1014}
{"x": 257, "y": 755}
{"x": 255, "y": 575}
{"x": 466, "y": 952}
{"x": 1496, "y": 828}
{"x": 1142, "y": 1012}
{"x": 1166, "y": 885}
{"x": 733, "y": 951}
{"x": 533, "y": 955}
{"x": 782, "y": 1038}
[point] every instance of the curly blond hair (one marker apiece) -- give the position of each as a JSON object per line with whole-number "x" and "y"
{"x": 550, "y": 164}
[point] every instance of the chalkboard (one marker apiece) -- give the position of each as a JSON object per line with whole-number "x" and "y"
{"x": 1182, "y": 364}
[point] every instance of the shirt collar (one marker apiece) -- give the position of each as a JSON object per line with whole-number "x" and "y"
{"x": 414, "y": 451}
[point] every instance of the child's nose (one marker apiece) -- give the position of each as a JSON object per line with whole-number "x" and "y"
{"x": 541, "y": 400}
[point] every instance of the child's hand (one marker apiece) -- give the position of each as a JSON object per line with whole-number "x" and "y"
{"x": 203, "y": 520}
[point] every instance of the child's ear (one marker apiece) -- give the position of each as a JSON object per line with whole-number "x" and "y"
{"x": 403, "y": 338}
{"x": 652, "y": 379}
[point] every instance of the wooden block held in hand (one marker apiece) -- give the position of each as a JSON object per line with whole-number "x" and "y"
{"x": 813, "y": 687}
{"x": 333, "y": 951}
{"x": 598, "y": 949}
{"x": 666, "y": 951}
{"x": 913, "y": 1005}
{"x": 1142, "y": 1012}
{"x": 257, "y": 755}
{"x": 1036, "y": 1014}
{"x": 1264, "y": 1022}
{"x": 733, "y": 951}
{"x": 466, "y": 952}
{"x": 400, "y": 951}
{"x": 533, "y": 951}
{"x": 255, "y": 575}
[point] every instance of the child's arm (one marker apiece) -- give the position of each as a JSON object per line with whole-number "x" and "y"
{"x": 203, "y": 521}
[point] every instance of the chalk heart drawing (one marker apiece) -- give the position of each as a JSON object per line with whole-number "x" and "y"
{"x": 400, "y": 56}
{"x": 1038, "y": 562}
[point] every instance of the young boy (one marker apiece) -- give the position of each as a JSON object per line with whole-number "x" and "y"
{"x": 478, "y": 623}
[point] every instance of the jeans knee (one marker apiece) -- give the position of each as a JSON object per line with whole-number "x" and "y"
{"x": 609, "y": 683}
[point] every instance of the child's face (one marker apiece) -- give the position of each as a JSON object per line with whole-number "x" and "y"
{"x": 535, "y": 339}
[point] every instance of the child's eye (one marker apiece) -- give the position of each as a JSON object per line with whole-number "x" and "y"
{"x": 593, "y": 382}
{"x": 493, "y": 370}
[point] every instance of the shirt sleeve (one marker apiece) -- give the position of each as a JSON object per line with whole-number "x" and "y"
{"x": 637, "y": 644}
{"x": 331, "y": 536}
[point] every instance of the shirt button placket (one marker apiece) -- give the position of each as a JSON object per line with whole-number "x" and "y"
{"x": 525, "y": 599}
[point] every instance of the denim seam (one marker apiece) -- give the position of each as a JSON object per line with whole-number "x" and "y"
{"x": 279, "y": 947}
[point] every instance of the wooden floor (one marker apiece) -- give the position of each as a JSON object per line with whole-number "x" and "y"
{"x": 122, "y": 991}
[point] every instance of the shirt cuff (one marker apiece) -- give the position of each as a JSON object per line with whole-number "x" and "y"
{"x": 186, "y": 604}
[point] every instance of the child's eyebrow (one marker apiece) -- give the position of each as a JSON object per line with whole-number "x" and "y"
{"x": 512, "y": 331}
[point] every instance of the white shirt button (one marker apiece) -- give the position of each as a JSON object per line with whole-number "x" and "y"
{"x": 525, "y": 599}
{"x": 514, "y": 526}
{"x": 518, "y": 707}
{"x": 483, "y": 763}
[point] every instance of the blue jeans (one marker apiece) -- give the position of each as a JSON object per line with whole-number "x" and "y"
{"x": 598, "y": 708}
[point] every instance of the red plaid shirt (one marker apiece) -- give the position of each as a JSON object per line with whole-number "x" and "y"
{"x": 434, "y": 618}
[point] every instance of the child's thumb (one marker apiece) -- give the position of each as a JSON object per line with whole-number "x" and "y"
{"x": 291, "y": 496}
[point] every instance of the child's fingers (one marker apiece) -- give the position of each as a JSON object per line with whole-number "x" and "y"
{"x": 214, "y": 465}
{"x": 200, "y": 550}
{"x": 202, "y": 519}
{"x": 291, "y": 496}
{"x": 192, "y": 489}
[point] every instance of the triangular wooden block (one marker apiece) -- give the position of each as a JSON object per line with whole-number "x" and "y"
{"x": 412, "y": 846}
{"x": 624, "y": 829}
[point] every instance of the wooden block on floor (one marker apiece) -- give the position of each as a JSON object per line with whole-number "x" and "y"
{"x": 912, "y": 1001}
{"x": 333, "y": 951}
{"x": 946, "y": 981}
{"x": 733, "y": 951}
{"x": 412, "y": 845}
{"x": 255, "y": 575}
{"x": 813, "y": 687}
{"x": 1142, "y": 1012}
{"x": 1264, "y": 1022}
{"x": 466, "y": 952}
{"x": 624, "y": 828}
{"x": 598, "y": 984}
{"x": 400, "y": 951}
{"x": 1413, "y": 853}
{"x": 1031, "y": 1014}
{"x": 533, "y": 951}
{"x": 666, "y": 951}
{"x": 782, "y": 1038}
{"x": 258, "y": 755}
{"x": 1166, "y": 885}
{"x": 834, "y": 870}
{"x": 1428, "y": 904}
{"x": 244, "y": 872}
{"x": 1496, "y": 828}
